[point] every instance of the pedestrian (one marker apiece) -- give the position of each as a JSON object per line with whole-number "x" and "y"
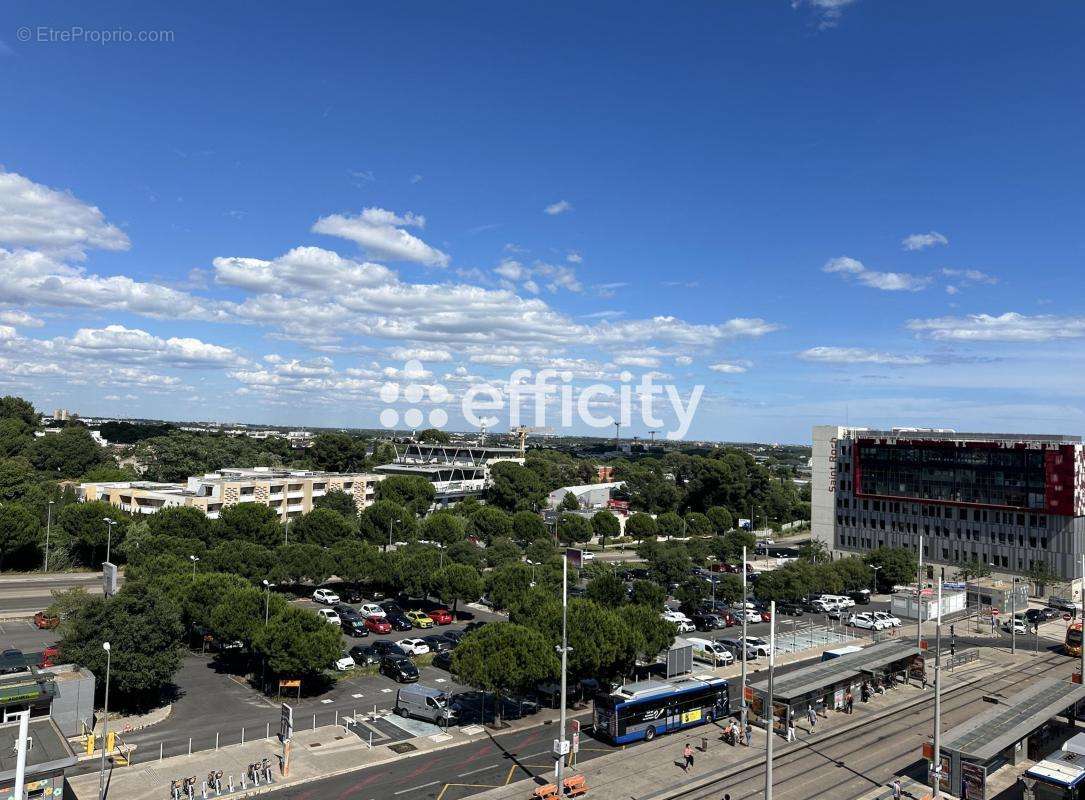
{"x": 896, "y": 789}
{"x": 812, "y": 715}
{"x": 791, "y": 730}
{"x": 687, "y": 755}
{"x": 748, "y": 732}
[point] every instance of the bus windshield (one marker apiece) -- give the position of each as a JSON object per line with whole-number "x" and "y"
{"x": 1073, "y": 636}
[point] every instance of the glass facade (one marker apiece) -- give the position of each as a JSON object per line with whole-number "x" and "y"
{"x": 954, "y": 474}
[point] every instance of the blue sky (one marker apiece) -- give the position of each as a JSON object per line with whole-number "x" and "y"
{"x": 263, "y": 217}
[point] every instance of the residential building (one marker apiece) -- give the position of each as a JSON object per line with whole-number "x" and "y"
{"x": 588, "y": 496}
{"x": 288, "y": 492}
{"x": 1008, "y": 500}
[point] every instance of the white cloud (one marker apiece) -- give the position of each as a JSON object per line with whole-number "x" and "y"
{"x": 300, "y": 270}
{"x": 1008, "y": 327}
{"x": 921, "y": 241}
{"x": 35, "y": 216}
{"x": 117, "y": 343}
{"x": 730, "y": 367}
{"x": 419, "y": 354}
{"x": 574, "y": 257}
{"x": 827, "y": 12}
{"x": 560, "y": 207}
{"x": 967, "y": 276}
{"x": 637, "y": 361}
{"x": 886, "y": 281}
{"x": 381, "y": 234}
{"x": 683, "y": 361}
{"x": 859, "y": 355}
{"x": 607, "y": 290}
{"x": 511, "y": 270}
{"x": 20, "y": 319}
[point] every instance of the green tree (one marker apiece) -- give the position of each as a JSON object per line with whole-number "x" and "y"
{"x": 20, "y": 533}
{"x": 504, "y": 658}
{"x": 239, "y": 613}
{"x": 973, "y": 568}
{"x": 670, "y": 525}
{"x": 67, "y": 454}
{"x": 527, "y": 526}
{"x": 670, "y": 564}
{"x": 569, "y": 502}
{"x": 84, "y": 530}
{"x": 413, "y": 568}
{"x": 691, "y": 593}
{"x": 464, "y": 552}
{"x": 647, "y": 593}
{"x": 515, "y": 488}
{"x": 340, "y": 502}
{"x": 17, "y": 408}
{"x": 105, "y": 473}
{"x": 443, "y": 527}
{"x": 354, "y": 561}
{"x": 641, "y": 526}
{"x": 432, "y": 436}
{"x": 321, "y": 526}
{"x": 489, "y": 523}
{"x": 182, "y": 521}
{"x": 203, "y": 593}
{"x": 144, "y": 631}
{"x": 301, "y": 563}
{"x": 502, "y": 551}
{"x": 386, "y": 521}
{"x": 456, "y": 582}
{"x": 604, "y": 524}
{"x": 252, "y": 561}
{"x": 541, "y": 551}
{"x": 897, "y": 565}
{"x": 508, "y": 585}
{"x": 413, "y": 492}
{"x": 1041, "y": 574}
{"x": 297, "y": 642}
{"x": 813, "y": 551}
{"x": 854, "y": 573}
{"x": 729, "y": 588}
{"x": 649, "y": 633}
{"x": 698, "y": 524}
{"x": 606, "y": 589}
{"x": 337, "y": 452}
{"x": 720, "y": 518}
{"x": 251, "y": 522}
{"x": 573, "y": 529}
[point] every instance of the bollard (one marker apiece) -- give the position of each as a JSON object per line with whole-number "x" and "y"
{"x": 337, "y": 717}
{"x": 230, "y": 783}
{"x": 216, "y": 740}
{"x": 314, "y": 722}
{"x": 371, "y": 740}
{"x": 160, "y": 746}
{"x": 203, "y": 790}
{"x": 267, "y": 733}
{"x": 242, "y": 736}
{"x": 243, "y": 784}
{"x": 190, "y": 745}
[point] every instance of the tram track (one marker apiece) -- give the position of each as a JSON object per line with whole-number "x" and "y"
{"x": 901, "y": 732}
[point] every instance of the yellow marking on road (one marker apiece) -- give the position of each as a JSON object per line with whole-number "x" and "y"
{"x": 508, "y": 778}
{"x": 447, "y": 786}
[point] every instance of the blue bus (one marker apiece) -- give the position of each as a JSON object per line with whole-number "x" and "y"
{"x": 645, "y": 709}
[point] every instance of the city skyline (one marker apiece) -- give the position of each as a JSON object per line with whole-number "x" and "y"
{"x": 821, "y": 212}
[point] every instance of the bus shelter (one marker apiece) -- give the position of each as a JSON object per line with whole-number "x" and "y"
{"x": 825, "y": 685}
{"x": 1004, "y": 735}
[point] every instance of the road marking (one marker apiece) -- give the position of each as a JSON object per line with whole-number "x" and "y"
{"x": 416, "y": 788}
{"x": 508, "y": 778}
{"x": 439, "y": 680}
{"x": 325, "y": 702}
{"x": 386, "y": 691}
{"x": 357, "y": 695}
{"x": 447, "y": 786}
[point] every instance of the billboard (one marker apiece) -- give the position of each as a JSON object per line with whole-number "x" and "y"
{"x": 575, "y": 556}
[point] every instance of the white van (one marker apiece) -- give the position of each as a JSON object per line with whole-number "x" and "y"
{"x": 713, "y": 652}
{"x": 838, "y": 600}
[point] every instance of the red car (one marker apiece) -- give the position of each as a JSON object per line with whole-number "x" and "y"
{"x": 441, "y": 616}
{"x": 44, "y": 620}
{"x": 766, "y": 616}
{"x": 49, "y": 656}
{"x": 378, "y": 624}
{"x": 729, "y": 619}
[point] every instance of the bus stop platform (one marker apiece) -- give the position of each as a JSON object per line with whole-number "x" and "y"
{"x": 910, "y": 790}
{"x": 1004, "y": 734}
{"x": 824, "y": 685}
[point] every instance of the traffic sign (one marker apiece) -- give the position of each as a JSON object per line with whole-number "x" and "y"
{"x": 1067, "y": 617}
{"x": 286, "y": 723}
{"x": 561, "y": 747}
{"x": 994, "y": 612}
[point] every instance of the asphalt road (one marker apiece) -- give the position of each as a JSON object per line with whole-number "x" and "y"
{"x": 31, "y": 592}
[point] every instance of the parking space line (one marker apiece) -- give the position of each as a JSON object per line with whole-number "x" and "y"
{"x": 447, "y": 786}
{"x": 508, "y": 778}
{"x": 416, "y": 788}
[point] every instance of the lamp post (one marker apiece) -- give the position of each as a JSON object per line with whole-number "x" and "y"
{"x": 105, "y": 722}
{"x": 771, "y": 732}
{"x": 109, "y": 535}
{"x": 48, "y": 530}
{"x": 267, "y": 599}
{"x": 559, "y": 755}
{"x": 875, "y": 570}
{"x": 194, "y": 560}
{"x": 742, "y": 689}
{"x": 938, "y": 697}
{"x": 286, "y": 530}
{"x": 919, "y": 598}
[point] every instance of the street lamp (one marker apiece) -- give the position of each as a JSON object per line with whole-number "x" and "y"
{"x": 48, "y": 529}
{"x": 875, "y": 569}
{"x": 267, "y": 599}
{"x": 109, "y": 535}
{"x": 105, "y": 722}
{"x": 193, "y": 559}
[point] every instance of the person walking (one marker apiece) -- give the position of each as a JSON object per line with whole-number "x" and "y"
{"x": 812, "y": 715}
{"x": 897, "y": 791}
{"x": 791, "y": 730}
{"x": 748, "y": 733}
{"x": 687, "y": 756}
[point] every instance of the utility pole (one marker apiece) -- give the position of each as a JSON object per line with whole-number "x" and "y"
{"x": 1013, "y": 616}
{"x": 48, "y": 530}
{"x": 105, "y": 722}
{"x": 771, "y": 732}
{"x": 919, "y": 598}
{"x": 20, "y": 753}
{"x": 560, "y": 745}
{"x": 938, "y": 697}
{"x": 742, "y": 690}
{"x": 1082, "y": 666}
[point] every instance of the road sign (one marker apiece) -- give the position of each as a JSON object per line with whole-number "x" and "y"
{"x": 561, "y": 747}
{"x": 576, "y": 735}
{"x": 1067, "y": 617}
{"x": 109, "y": 579}
{"x": 286, "y": 723}
{"x": 994, "y": 612}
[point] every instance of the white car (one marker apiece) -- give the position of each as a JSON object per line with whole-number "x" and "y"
{"x": 587, "y": 555}
{"x": 1018, "y": 626}
{"x": 328, "y": 615}
{"x": 685, "y": 627}
{"x": 889, "y": 620}
{"x": 325, "y": 596}
{"x": 757, "y": 645}
{"x": 371, "y": 610}
{"x": 752, "y": 615}
{"x": 414, "y": 647}
{"x": 344, "y": 663}
{"x": 867, "y": 622}
{"x": 675, "y": 616}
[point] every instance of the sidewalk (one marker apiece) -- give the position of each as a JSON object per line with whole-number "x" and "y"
{"x": 324, "y": 752}
{"x": 653, "y": 771}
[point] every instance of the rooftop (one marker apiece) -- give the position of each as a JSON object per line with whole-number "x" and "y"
{"x": 50, "y": 751}
{"x": 986, "y": 735}
{"x": 960, "y": 436}
{"x": 817, "y": 677}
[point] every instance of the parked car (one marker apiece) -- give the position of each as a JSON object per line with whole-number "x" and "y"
{"x": 364, "y": 655}
{"x": 1063, "y": 604}
{"x": 443, "y": 660}
{"x": 789, "y": 609}
{"x": 426, "y": 703}
{"x": 752, "y": 615}
{"x": 419, "y": 619}
{"x": 386, "y": 647}
{"x": 344, "y": 662}
{"x": 861, "y": 597}
{"x": 46, "y": 620}
{"x": 734, "y": 646}
{"x": 437, "y": 644}
{"x": 326, "y": 596}
{"x": 399, "y": 668}
{"x": 474, "y": 625}
{"x": 398, "y": 621}
{"x": 390, "y": 607}
{"x": 454, "y": 637}
{"x": 1035, "y": 616}
{"x": 49, "y": 656}
{"x": 414, "y": 647}
{"x": 758, "y": 645}
{"x": 1051, "y": 613}
{"x": 378, "y": 625}
{"x": 866, "y": 621}
{"x": 12, "y": 660}
{"x": 442, "y": 616}
{"x": 371, "y": 610}
{"x": 354, "y": 626}
{"x": 704, "y": 622}
{"x": 889, "y": 620}
{"x": 1016, "y": 625}
{"x": 714, "y": 653}
{"x": 674, "y": 616}
{"x": 328, "y": 615}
